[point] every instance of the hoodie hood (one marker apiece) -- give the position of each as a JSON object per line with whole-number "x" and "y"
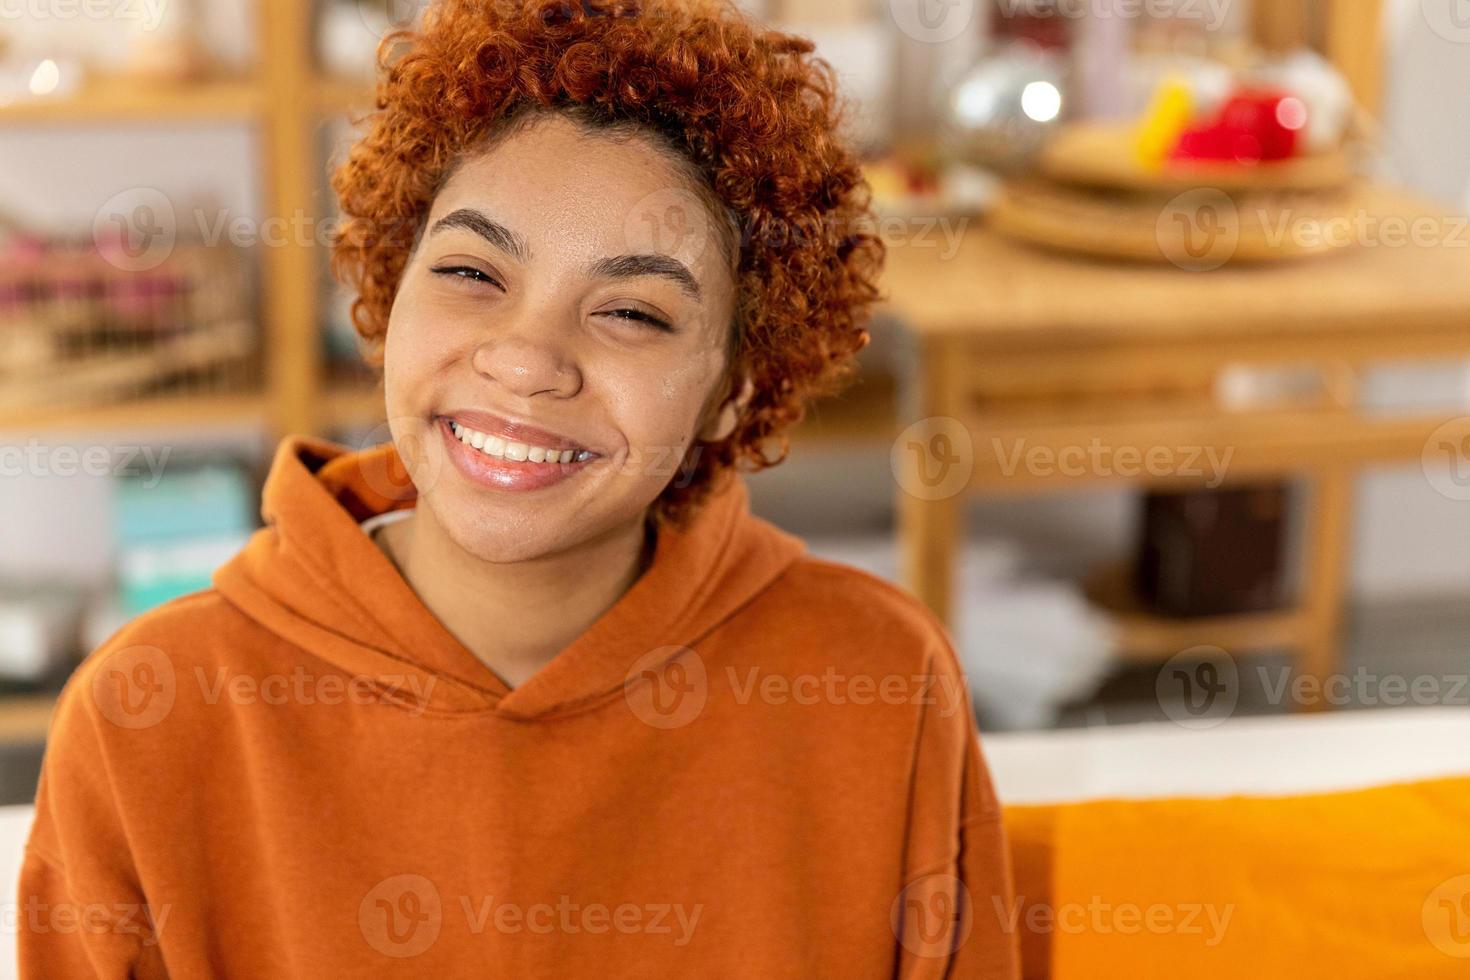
{"x": 314, "y": 578}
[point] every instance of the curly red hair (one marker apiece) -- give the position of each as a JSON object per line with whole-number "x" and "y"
{"x": 753, "y": 116}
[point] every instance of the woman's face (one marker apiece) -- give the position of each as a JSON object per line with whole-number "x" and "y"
{"x": 557, "y": 342}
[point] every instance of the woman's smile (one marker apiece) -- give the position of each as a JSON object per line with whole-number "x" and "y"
{"x": 504, "y": 455}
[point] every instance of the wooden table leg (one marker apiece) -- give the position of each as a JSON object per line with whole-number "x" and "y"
{"x": 1329, "y": 519}
{"x": 932, "y": 464}
{"x": 929, "y": 532}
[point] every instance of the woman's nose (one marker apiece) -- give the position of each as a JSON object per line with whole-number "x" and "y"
{"x": 527, "y": 365}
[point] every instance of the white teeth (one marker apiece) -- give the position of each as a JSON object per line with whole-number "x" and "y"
{"x": 516, "y": 452}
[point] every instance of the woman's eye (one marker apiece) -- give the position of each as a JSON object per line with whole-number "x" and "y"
{"x": 469, "y": 274}
{"x": 464, "y": 273}
{"x": 638, "y": 316}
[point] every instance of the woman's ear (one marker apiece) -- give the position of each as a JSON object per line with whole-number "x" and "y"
{"x": 723, "y": 424}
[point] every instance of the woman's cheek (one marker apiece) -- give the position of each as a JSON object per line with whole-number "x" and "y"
{"x": 658, "y": 413}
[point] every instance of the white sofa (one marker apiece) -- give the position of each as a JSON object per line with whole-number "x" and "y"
{"x": 1278, "y": 755}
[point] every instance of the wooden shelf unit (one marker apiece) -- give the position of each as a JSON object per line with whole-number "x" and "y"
{"x": 341, "y": 96}
{"x": 288, "y": 97}
{"x": 1144, "y": 636}
{"x": 118, "y": 101}
{"x": 25, "y": 718}
{"x": 226, "y": 408}
{"x": 293, "y": 395}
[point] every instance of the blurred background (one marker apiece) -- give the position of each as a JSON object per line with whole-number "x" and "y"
{"x": 1165, "y": 413}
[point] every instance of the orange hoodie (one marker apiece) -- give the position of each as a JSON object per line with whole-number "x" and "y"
{"x": 755, "y": 764}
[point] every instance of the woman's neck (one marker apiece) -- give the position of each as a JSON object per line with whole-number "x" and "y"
{"x": 515, "y": 616}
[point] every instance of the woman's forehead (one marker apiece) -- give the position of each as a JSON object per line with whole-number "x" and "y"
{"x": 585, "y": 196}
{"x": 558, "y": 160}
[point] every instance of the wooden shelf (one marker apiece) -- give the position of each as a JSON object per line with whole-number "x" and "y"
{"x": 105, "y": 100}
{"x": 25, "y": 718}
{"x": 352, "y": 403}
{"x": 1146, "y": 637}
{"x": 866, "y": 414}
{"x": 340, "y": 95}
{"x": 164, "y": 410}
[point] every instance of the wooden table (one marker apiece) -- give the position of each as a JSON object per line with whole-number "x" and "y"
{"x": 1062, "y": 372}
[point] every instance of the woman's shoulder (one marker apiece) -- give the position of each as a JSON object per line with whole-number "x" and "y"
{"x": 847, "y": 605}
{"x": 129, "y": 682}
{"x": 853, "y": 591}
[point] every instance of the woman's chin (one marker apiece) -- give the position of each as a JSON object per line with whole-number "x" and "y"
{"x": 503, "y": 531}
{"x": 496, "y": 550}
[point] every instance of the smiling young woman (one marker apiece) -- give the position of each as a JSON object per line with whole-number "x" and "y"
{"x": 527, "y": 691}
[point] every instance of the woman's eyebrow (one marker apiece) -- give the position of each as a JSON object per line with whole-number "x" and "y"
{"x": 633, "y": 266}
{"x": 619, "y": 267}
{"x": 487, "y": 228}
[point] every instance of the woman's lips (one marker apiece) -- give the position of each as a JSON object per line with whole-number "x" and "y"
{"x": 511, "y": 463}
{"x": 488, "y": 424}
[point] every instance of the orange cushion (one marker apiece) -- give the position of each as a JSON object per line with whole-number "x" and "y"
{"x": 1370, "y": 883}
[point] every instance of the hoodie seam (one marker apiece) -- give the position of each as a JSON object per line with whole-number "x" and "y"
{"x": 47, "y": 858}
{"x": 393, "y": 697}
{"x": 920, "y": 721}
{"x": 595, "y": 700}
{"x": 323, "y": 580}
{"x": 590, "y": 702}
